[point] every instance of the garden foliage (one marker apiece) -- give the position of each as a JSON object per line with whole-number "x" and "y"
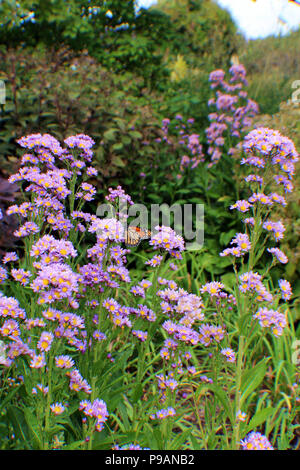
{"x": 107, "y": 343}
{"x": 87, "y": 342}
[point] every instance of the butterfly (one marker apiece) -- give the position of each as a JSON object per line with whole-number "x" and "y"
{"x": 134, "y": 235}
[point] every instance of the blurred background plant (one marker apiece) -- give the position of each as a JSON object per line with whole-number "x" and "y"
{"x": 272, "y": 66}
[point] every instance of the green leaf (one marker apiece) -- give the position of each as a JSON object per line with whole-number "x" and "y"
{"x": 137, "y": 392}
{"x": 118, "y": 162}
{"x": 228, "y": 280}
{"x": 225, "y": 237}
{"x": 34, "y": 428}
{"x": 20, "y": 427}
{"x": 8, "y": 398}
{"x": 73, "y": 445}
{"x": 259, "y": 418}
{"x": 195, "y": 443}
{"x": 110, "y": 134}
{"x": 180, "y": 439}
{"x": 135, "y": 134}
{"x": 221, "y": 395}
{"x": 224, "y": 400}
{"x": 252, "y": 378}
{"x": 118, "y": 146}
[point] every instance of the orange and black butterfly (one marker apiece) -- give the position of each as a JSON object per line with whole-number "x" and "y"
{"x": 134, "y": 235}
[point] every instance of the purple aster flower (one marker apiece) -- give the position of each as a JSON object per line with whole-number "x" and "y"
{"x": 278, "y": 254}
{"x": 241, "y": 206}
{"x": 286, "y": 290}
{"x": 57, "y": 408}
{"x": 273, "y": 319}
{"x": 141, "y": 335}
{"x": 64, "y": 362}
{"x": 155, "y": 261}
{"x": 167, "y": 239}
{"x": 37, "y": 361}
{"x": 256, "y": 441}
{"x": 229, "y": 354}
{"x": 3, "y": 274}
{"x": 9, "y": 257}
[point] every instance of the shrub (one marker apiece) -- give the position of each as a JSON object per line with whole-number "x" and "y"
{"x": 60, "y": 92}
{"x": 272, "y": 68}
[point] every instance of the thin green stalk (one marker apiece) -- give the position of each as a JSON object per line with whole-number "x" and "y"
{"x": 48, "y": 403}
{"x": 199, "y": 419}
{"x": 239, "y": 371}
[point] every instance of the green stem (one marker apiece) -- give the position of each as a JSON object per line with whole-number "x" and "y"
{"x": 92, "y": 423}
{"x": 239, "y": 371}
{"x": 199, "y": 419}
{"x": 48, "y": 403}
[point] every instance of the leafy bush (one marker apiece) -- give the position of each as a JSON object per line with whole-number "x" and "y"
{"x": 206, "y": 34}
{"x": 61, "y": 92}
{"x": 204, "y": 37}
{"x": 272, "y": 68}
{"x": 108, "y": 31}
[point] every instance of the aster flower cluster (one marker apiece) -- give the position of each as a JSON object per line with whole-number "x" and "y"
{"x": 52, "y": 280}
{"x": 108, "y": 258}
{"x": 167, "y": 239}
{"x": 271, "y": 157}
{"x": 120, "y": 201}
{"x": 229, "y": 354}
{"x": 52, "y": 185}
{"x": 55, "y": 279}
{"x": 186, "y": 328}
{"x": 57, "y": 408}
{"x": 107, "y": 229}
{"x": 77, "y": 382}
{"x": 123, "y": 316}
{"x": 130, "y": 447}
{"x": 185, "y": 138}
{"x": 252, "y": 282}
{"x": 20, "y": 275}
{"x": 55, "y": 282}
{"x": 164, "y": 413}
{"x": 271, "y": 319}
{"x": 242, "y": 246}
{"x": 233, "y": 111}
{"x": 210, "y": 333}
{"x": 180, "y": 305}
{"x": 256, "y": 441}
{"x": 97, "y": 409}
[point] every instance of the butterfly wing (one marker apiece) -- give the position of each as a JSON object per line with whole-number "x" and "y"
{"x": 145, "y": 234}
{"x": 134, "y": 235}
